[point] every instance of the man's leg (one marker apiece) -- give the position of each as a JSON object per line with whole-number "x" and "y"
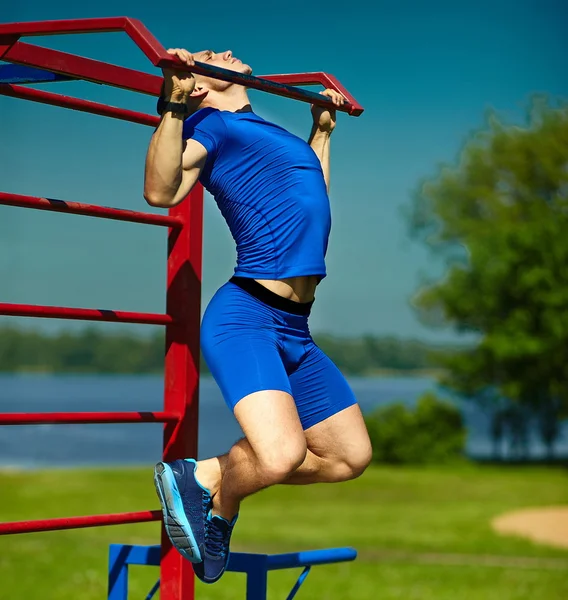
{"x": 273, "y": 448}
{"x": 338, "y": 443}
{"x": 339, "y": 449}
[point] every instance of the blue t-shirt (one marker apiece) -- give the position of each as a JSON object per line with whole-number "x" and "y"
{"x": 270, "y": 188}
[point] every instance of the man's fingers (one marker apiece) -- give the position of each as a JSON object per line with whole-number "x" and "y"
{"x": 185, "y": 56}
{"x": 334, "y": 96}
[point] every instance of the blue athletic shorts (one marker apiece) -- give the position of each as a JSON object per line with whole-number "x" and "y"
{"x": 254, "y": 340}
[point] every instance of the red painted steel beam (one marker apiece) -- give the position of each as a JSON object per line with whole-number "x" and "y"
{"x": 57, "y": 418}
{"x": 83, "y": 314}
{"x": 83, "y": 68}
{"x": 6, "y": 42}
{"x": 181, "y": 377}
{"x": 88, "y": 69}
{"x": 100, "y": 72}
{"x": 324, "y": 79}
{"x": 79, "y": 522}
{"x": 65, "y": 26}
{"x": 133, "y": 27}
{"x": 89, "y": 210}
{"x": 26, "y": 93}
{"x": 275, "y": 85}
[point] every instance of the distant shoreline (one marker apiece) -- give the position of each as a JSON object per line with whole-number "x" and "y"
{"x": 91, "y": 351}
{"x": 372, "y": 374}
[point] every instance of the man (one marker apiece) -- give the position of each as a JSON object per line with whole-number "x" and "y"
{"x": 300, "y": 419}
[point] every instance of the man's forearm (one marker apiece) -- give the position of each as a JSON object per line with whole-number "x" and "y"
{"x": 163, "y": 173}
{"x": 319, "y": 142}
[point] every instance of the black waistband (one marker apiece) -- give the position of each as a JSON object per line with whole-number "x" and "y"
{"x": 270, "y": 298}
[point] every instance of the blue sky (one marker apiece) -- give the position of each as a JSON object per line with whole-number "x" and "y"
{"x": 426, "y": 72}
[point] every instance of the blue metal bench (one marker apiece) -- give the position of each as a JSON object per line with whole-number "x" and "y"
{"x": 256, "y": 567}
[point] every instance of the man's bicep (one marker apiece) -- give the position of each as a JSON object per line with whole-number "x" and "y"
{"x": 193, "y": 160}
{"x": 194, "y": 155}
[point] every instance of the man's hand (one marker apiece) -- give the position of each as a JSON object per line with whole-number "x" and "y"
{"x": 324, "y": 119}
{"x": 178, "y": 85}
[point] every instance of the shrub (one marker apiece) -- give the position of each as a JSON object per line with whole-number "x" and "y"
{"x": 432, "y": 432}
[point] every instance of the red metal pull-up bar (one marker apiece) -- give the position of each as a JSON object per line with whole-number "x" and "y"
{"x": 68, "y": 64}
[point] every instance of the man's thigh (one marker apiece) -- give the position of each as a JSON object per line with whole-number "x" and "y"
{"x": 342, "y": 437}
{"x": 271, "y": 425}
{"x": 319, "y": 388}
{"x": 333, "y": 424}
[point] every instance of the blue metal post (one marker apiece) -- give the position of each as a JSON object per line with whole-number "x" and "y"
{"x": 256, "y": 568}
{"x": 117, "y": 572}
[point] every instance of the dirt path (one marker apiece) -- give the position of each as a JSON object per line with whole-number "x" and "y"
{"x": 542, "y": 525}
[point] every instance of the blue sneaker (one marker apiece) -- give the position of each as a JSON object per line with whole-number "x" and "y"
{"x": 185, "y": 505}
{"x": 216, "y": 555}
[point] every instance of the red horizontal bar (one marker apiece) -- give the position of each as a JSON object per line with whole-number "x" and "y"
{"x": 83, "y": 68}
{"x": 100, "y": 72}
{"x": 104, "y": 24}
{"x": 26, "y": 93}
{"x": 59, "y": 418}
{"x": 324, "y": 79}
{"x": 264, "y": 84}
{"x": 89, "y": 210}
{"x": 78, "y": 522}
{"x": 133, "y": 27}
{"x": 83, "y": 314}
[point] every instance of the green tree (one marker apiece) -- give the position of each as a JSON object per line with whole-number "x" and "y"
{"x": 431, "y": 433}
{"x": 499, "y": 220}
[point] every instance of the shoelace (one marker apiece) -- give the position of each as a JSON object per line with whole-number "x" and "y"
{"x": 205, "y": 503}
{"x": 216, "y": 539}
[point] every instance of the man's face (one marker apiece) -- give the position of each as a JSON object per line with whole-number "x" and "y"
{"x": 225, "y": 60}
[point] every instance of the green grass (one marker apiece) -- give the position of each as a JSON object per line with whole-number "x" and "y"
{"x": 408, "y": 525}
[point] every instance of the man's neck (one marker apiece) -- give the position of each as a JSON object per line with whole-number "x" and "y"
{"x": 237, "y": 101}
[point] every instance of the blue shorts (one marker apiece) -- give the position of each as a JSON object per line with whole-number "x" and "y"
{"x": 252, "y": 341}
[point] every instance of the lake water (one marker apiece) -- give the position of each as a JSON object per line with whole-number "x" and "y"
{"x": 39, "y": 446}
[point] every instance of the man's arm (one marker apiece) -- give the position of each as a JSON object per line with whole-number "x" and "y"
{"x": 319, "y": 141}
{"x": 173, "y": 165}
{"x": 324, "y": 124}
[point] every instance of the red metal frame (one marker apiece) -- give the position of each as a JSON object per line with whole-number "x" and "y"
{"x": 82, "y": 314}
{"x": 182, "y": 318}
{"x": 20, "y": 91}
{"x": 79, "y": 522}
{"x": 89, "y": 210}
{"x": 88, "y": 417}
{"x": 15, "y": 51}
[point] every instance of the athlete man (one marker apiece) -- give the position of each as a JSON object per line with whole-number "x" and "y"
{"x": 300, "y": 419}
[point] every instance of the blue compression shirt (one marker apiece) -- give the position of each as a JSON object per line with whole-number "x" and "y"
{"x": 270, "y": 188}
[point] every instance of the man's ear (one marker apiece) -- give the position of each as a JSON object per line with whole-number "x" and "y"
{"x": 199, "y": 92}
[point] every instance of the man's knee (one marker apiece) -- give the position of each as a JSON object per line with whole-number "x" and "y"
{"x": 360, "y": 461}
{"x": 278, "y": 463}
{"x": 352, "y": 465}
